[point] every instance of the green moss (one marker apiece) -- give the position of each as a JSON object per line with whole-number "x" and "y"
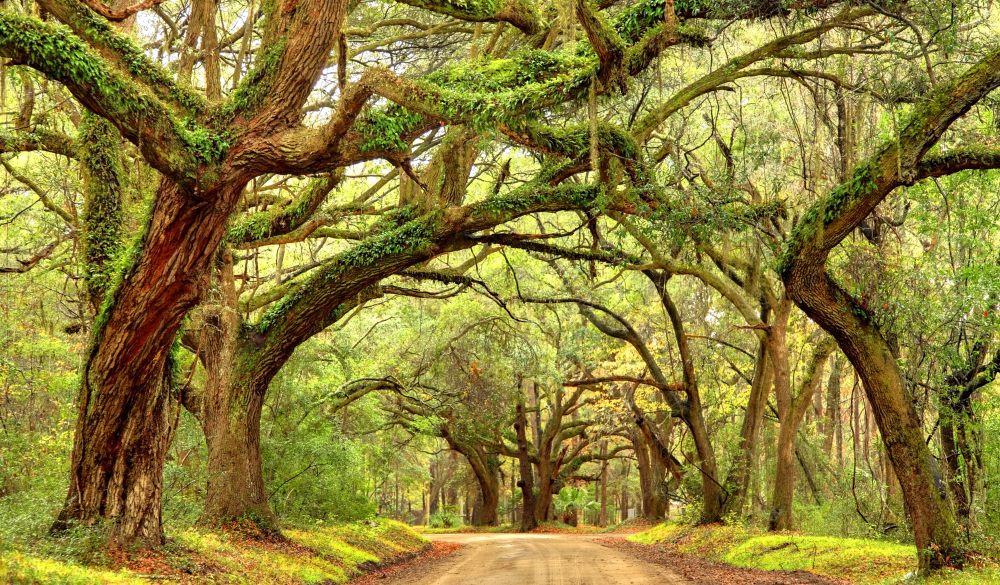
{"x": 481, "y": 93}
{"x": 326, "y": 554}
{"x": 100, "y": 157}
{"x": 62, "y": 56}
{"x": 383, "y": 129}
{"x": 507, "y": 206}
{"x": 256, "y": 86}
{"x": 29, "y": 569}
{"x": 853, "y": 559}
{"x": 413, "y": 237}
{"x": 827, "y": 211}
{"x": 135, "y": 60}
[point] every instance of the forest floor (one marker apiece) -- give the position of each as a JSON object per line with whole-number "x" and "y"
{"x": 737, "y": 555}
{"x": 330, "y": 554}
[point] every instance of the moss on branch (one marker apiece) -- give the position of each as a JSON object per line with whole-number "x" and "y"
{"x": 103, "y": 185}
{"x": 176, "y": 147}
{"x": 523, "y": 14}
{"x": 120, "y": 49}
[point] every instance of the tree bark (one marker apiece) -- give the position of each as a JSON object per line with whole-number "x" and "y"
{"x": 126, "y": 413}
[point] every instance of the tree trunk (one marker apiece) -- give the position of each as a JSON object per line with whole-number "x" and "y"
{"x": 803, "y": 269}
{"x": 950, "y": 417}
{"x": 527, "y": 483}
{"x": 117, "y": 467}
{"x": 832, "y": 423}
{"x": 646, "y": 491}
{"x": 236, "y": 491}
{"x": 602, "y": 518}
{"x": 693, "y": 415}
{"x": 934, "y": 526}
{"x": 738, "y": 479}
{"x": 792, "y": 413}
{"x": 229, "y": 411}
{"x": 125, "y": 417}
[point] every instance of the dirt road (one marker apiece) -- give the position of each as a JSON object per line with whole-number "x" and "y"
{"x": 533, "y": 559}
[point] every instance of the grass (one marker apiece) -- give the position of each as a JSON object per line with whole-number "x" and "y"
{"x": 861, "y": 561}
{"x": 329, "y": 554}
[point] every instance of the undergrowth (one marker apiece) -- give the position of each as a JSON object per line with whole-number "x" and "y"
{"x": 315, "y": 554}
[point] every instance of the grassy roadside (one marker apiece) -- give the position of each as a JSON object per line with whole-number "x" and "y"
{"x": 865, "y": 562}
{"x": 331, "y": 554}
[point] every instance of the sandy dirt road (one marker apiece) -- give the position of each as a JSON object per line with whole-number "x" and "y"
{"x": 533, "y": 559}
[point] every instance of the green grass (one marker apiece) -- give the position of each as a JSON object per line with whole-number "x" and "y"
{"x": 866, "y": 562}
{"x": 329, "y": 554}
{"x": 861, "y": 561}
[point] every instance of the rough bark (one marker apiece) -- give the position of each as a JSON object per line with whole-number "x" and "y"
{"x": 123, "y": 428}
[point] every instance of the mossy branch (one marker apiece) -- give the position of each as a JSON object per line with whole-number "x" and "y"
{"x": 38, "y": 139}
{"x": 278, "y": 221}
{"x": 120, "y": 50}
{"x": 174, "y": 147}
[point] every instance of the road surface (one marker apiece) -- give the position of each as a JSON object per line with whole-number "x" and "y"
{"x": 533, "y": 559}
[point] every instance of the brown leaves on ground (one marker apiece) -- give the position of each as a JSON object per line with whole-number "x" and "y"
{"x": 437, "y": 550}
{"x": 703, "y": 571}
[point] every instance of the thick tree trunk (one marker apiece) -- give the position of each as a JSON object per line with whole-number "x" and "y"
{"x": 236, "y": 490}
{"x": 693, "y": 415}
{"x": 927, "y": 504}
{"x": 652, "y": 477}
{"x": 484, "y": 470}
{"x": 124, "y": 425}
{"x": 229, "y": 411}
{"x": 117, "y": 468}
{"x": 485, "y": 512}
{"x": 803, "y": 269}
{"x": 543, "y": 502}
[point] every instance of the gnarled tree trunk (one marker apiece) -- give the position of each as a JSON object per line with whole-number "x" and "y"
{"x": 126, "y": 412}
